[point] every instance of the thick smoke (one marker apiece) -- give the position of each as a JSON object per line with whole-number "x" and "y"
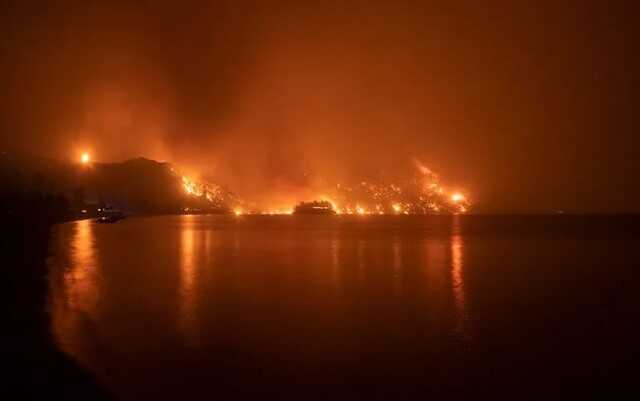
{"x": 275, "y": 100}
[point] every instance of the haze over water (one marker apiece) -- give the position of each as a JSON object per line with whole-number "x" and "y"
{"x": 346, "y": 307}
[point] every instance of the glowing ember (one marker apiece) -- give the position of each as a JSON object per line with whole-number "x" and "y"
{"x": 190, "y": 187}
{"x": 206, "y": 196}
{"x": 279, "y": 211}
{"x": 457, "y": 197}
{"x": 85, "y": 158}
{"x": 397, "y": 207}
{"x": 237, "y": 211}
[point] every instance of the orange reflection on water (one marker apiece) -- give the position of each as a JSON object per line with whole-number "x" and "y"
{"x": 457, "y": 282}
{"x": 335, "y": 264}
{"x": 79, "y": 279}
{"x": 188, "y": 265}
{"x": 436, "y": 271}
{"x": 397, "y": 267}
{"x": 74, "y": 292}
{"x": 361, "y": 260}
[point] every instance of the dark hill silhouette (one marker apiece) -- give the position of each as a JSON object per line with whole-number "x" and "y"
{"x": 138, "y": 185}
{"x": 135, "y": 186}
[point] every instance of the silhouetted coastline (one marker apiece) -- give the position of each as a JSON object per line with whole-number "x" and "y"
{"x": 37, "y": 368}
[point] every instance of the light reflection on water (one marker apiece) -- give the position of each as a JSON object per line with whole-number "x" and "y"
{"x": 397, "y": 267}
{"x": 80, "y": 276}
{"x": 335, "y": 265}
{"x": 178, "y": 285}
{"x": 75, "y": 288}
{"x": 189, "y": 264}
{"x": 175, "y": 307}
{"x": 457, "y": 281}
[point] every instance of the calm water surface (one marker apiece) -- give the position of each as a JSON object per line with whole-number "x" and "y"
{"x": 320, "y": 307}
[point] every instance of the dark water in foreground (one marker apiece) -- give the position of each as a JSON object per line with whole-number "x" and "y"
{"x": 321, "y": 307}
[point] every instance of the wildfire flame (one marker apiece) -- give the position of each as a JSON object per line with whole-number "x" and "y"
{"x": 202, "y": 195}
{"x": 190, "y": 187}
{"x": 420, "y": 194}
{"x": 457, "y": 197}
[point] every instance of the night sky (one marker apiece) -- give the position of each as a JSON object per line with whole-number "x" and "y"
{"x": 528, "y": 107}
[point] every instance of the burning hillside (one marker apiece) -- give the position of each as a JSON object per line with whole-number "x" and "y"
{"x": 207, "y": 195}
{"x": 146, "y": 186}
{"x": 419, "y": 193}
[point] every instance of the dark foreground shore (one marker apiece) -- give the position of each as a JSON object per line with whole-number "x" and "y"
{"x": 36, "y": 368}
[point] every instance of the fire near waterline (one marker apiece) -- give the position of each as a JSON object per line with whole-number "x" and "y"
{"x": 419, "y": 192}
